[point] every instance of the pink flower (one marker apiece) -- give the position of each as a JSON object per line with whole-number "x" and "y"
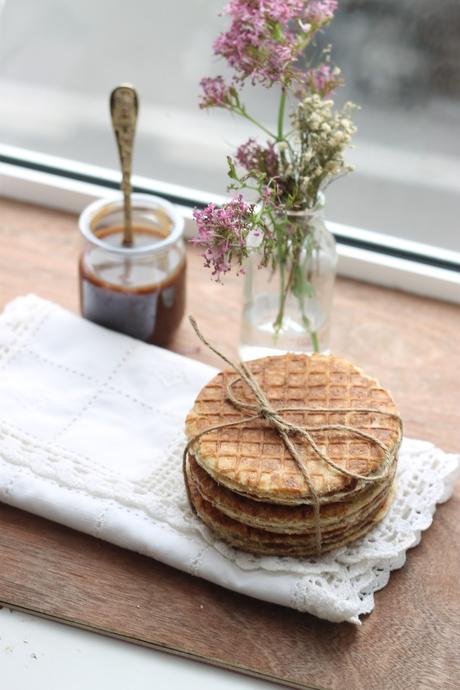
{"x": 274, "y": 10}
{"x": 280, "y": 10}
{"x": 264, "y": 42}
{"x": 222, "y": 232}
{"x": 260, "y": 42}
{"x": 263, "y": 159}
{"x": 323, "y": 80}
{"x": 270, "y": 196}
{"x": 216, "y": 93}
{"x": 319, "y": 12}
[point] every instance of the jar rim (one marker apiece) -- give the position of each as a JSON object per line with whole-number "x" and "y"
{"x": 114, "y": 202}
{"x": 306, "y": 211}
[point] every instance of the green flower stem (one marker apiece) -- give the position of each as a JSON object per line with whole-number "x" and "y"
{"x": 281, "y": 109}
{"x": 243, "y": 113}
{"x": 314, "y": 341}
{"x": 278, "y": 323}
{"x": 280, "y": 316}
{"x": 281, "y": 264}
{"x": 306, "y": 322}
{"x": 285, "y": 289}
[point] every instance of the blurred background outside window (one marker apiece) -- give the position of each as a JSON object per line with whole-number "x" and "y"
{"x": 400, "y": 59}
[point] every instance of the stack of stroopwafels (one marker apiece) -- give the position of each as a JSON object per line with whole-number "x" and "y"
{"x": 247, "y": 486}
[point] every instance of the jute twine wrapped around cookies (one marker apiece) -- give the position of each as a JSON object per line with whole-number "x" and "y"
{"x": 262, "y": 409}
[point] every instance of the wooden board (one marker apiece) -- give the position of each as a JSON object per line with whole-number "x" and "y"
{"x": 412, "y": 638}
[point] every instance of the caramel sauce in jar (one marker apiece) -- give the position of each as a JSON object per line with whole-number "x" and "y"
{"x": 139, "y": 291}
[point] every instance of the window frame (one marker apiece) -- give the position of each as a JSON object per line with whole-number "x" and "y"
{"x": 373, "y": 257}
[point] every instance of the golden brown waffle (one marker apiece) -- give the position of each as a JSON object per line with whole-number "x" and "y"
{"x": 285, "y": 519}
{"x": 251, "y": 458}
{"x": 263, "y": 542}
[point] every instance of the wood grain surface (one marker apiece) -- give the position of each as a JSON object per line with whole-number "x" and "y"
{"x": 411, "y": 640}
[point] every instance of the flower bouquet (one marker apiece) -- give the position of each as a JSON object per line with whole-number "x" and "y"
{"x": 277, "y": 226}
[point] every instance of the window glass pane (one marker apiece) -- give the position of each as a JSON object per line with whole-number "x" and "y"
{"x": 400, "y": 58}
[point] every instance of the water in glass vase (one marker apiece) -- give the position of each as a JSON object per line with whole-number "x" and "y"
{"x": 300, "y": 322}
{"x": 259, "y": 337}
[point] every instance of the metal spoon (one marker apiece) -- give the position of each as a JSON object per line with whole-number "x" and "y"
{"x": 124, "y": 106}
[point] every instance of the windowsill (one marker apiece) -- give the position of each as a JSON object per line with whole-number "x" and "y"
{"x": 363, "y": 254}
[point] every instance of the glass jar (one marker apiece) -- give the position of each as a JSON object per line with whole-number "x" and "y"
{"x": 277, "y": 319}
{"x": 138, "y": 290}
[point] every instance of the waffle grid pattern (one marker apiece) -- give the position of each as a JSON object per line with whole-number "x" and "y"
{"x": 283, "y": 519}
{"x": 252, "y": 456}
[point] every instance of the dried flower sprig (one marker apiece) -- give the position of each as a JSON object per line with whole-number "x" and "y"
{"x": 268, "y": 44}
{"x": 322, "y": 135}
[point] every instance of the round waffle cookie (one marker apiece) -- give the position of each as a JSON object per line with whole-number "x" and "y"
{"x": 262, "y": 542}
{"x": 283, "y": 519}
{"x": 251, "y": 459}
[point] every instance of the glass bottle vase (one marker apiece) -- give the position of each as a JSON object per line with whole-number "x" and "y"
{"x": 275, "y": 319}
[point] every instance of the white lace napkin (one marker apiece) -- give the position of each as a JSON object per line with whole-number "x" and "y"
{"x": 91, "y": 436}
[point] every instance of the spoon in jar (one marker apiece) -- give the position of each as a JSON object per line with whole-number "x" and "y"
{"x": 124, "y": 106}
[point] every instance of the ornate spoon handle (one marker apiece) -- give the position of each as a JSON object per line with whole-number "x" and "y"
{"x": 124, "y": 105}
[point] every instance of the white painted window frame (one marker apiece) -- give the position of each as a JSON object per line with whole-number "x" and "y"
{"x": 364, "y": 255}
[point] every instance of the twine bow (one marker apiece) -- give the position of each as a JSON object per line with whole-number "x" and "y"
{"x": 263, "y": 409}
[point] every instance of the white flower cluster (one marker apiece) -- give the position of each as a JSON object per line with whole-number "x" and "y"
{"x": 323, "y": 135}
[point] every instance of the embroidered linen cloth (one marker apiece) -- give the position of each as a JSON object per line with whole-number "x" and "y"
{"x": 91, "y": 435}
